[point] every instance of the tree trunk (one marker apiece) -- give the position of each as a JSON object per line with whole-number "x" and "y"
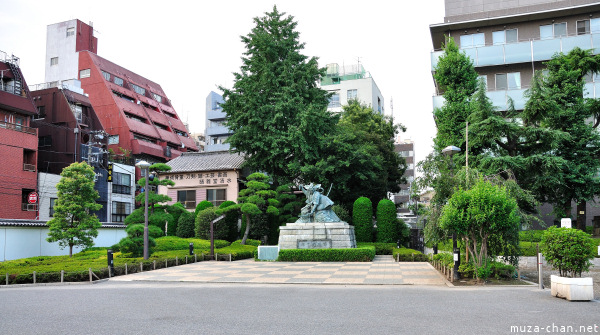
{"x": 581, "y": 218}
{"x": 247, "y": 230}
{"x": 70, "y": 251}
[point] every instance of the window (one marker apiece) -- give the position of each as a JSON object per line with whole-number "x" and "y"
{"x": 45, "y": 141}
{"x": 134, "y": 117}
{"x": 143, "y": 138}
{"x": 70, "y": 31}
{"x": 180, "y": 133}
{"x": 161, "y": 126}
{"x": 187, "y": 198}
{"x": 472, "y": 40}
{"x": 217, "y": 197}
{"x": 118, "y": 81}
{"x": 120, "y": 210}
{"x": 41, "y": 112}
{"x": 352, "y": 94}
{"x": 508, "y": 81}
{"x": 113, "y": 139}
{"x": 19, "y": 123}
{"x": 84, "y": 73}
{"x": 54, "y": 61}
{"x": 121, "y": 183}
{"x": 334, "y": 100}
{"x": 52, "y": 203}
{"x": 157, "y": 97}
{"x": 553, "y": 30}
{"x": 106, "y": 75}
{"x": 138, "y": 90}
{"x": 505, "y": 36}
{"x": 588, "y": 26}
{"x": 77, "y": 111}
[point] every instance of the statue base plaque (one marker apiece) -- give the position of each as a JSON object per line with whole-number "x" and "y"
{"x": 317, "y": 235}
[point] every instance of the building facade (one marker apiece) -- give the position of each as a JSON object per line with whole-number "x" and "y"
{"x": 405, "y": 149}
{"x": 213, "y": 176}
{"x": 18, "y": 142}
{"x": 509, "y": 40}
{"x": 134, "y": 111}
{"x": 216, "y": 132}
{"x": 351, "y": 83}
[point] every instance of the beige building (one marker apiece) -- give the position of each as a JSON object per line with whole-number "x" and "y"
{"x": 199, "y": 176}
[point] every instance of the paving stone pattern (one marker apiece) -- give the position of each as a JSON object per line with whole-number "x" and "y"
{"x": 382, "y": 271}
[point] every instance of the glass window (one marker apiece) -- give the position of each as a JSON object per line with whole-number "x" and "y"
{"x": 157, "y": 97}
{"x": 54, "y": 61}
{"x": 508, "y": 81}
{"x": 472, "y": 40}
{"x": 106, "y": 75}
{"x": 216, "y": 196}
{"x": 595, "y": 25}
{"x": 505, "y": 36}
{"x": 553, "y": 30}
{"x": 138, "y": 90}
{"x": 120, "y": 210}
{"x": 121, "y": 183}
{"x": 52, "y": 203}
{"x": 70, "y": 31}
{"x": 334, "y": 100}
{"x": 77, "y": 111}
{"x": 118, "y": 81}
{"x": 583, "y": 27}
{"x": 512, "y": 36}
{"x": 352, "y": 94}
{"x": 84, "y": 73}
{"x": 113, "y": 139}
{"x": 187, "y": 198}
{"x": 499, "y": 37}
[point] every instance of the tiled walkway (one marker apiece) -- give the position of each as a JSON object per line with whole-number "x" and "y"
{"x": 383, "y": 270}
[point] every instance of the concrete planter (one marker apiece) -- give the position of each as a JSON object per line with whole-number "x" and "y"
{"x": 572, "y": 289}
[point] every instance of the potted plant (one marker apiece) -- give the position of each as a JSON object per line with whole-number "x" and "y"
{"x": 569, "y": 251}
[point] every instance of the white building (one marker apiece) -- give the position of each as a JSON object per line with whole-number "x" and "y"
{"x": 351, "y": 82}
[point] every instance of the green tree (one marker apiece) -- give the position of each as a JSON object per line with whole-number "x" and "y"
{"x": 176, "y": 210}
{"x": 157, "y": 209}
{"x": 230, "y": 222}
{"x": 387, "y": 223}
{"x": 201, "y": 206}
{"x": 73, "y": 223}
{"x": 480, "y": 214}
{"x": 568, "y": 250}
{"x": 276, "y": 111}
{"x": 255, "y": 200}
{"x": 362, "y": 217}
{"x": 359, "y": 158}
{"x": 134, "y": 242}
{"x": 185, "y": 225}
{"x": 578, "y": 180}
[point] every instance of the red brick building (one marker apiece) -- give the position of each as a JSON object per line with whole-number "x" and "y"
{"x": 18, "y": 142}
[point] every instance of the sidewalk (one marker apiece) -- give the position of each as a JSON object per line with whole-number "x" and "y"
{"x": 382, "y": 271}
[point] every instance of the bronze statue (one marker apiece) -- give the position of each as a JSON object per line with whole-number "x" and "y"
{"x": 318, "y": 206}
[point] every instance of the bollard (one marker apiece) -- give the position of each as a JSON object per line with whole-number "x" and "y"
{"x": 176, "y": 260}
{"x": 540, "y": 278}
{"x": 90, "y": 273}
{"x": 185, "y": 259}
{"x": 34, "y": 277}
{"x": 125, "y": 268}
{"x": 109, "y": 273}
{"x": 7, "y": 279}
{"x": 230, "y": 257}
{"x": 166, "y": 263}
{"x": 111, "y": 264}
{"x": 154, "y": 264}
{"x": 142, "y": 266}
{"x": 62, "y": 276}
{"x": 191, "y": 248}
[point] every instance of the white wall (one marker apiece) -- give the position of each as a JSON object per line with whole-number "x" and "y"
{"x": 63, "y": 47}
{"x": 24, "y": 242}
{"x": 367, "y": 92}
{"x": 46, "y": 190}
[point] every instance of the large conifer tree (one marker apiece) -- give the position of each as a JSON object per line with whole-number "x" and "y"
{"x": 275, "y": 110}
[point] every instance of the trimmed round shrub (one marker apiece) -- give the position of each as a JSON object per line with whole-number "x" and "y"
{"x": 220, "y": 229}
{"x": 387, "y": 223}
{"x": 185, "y": 226}
{"x": 175, "y": 210}
{"x": 134, "y": 242}
{"x": 202, "y": 206}
{"x": 362, "y": 217}
{"x": 342, "y": 213}
{"x": 568, "y": 250}
{"x": 231, "y": 221}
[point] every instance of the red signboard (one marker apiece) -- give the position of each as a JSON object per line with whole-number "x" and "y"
{"x": 32, "y": 198}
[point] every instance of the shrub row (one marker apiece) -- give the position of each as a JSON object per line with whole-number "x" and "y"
{"x": 380, "y": 248}
{"x": 409, "y": 255}
{"x": 362, "y": 254}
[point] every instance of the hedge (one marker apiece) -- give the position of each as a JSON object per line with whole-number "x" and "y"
{"x": 380, "y": 248}
{"x": 362, "y": 218}
{"x": 175, "y": 243}
{"x": 202, "y": 206}
{"x": 363, "y": 254}
{"x": 409, "y": 255}
{"x": 387, "y": 223}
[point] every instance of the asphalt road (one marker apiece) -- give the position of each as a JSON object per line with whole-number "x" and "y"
{"x": 195, "y": 308}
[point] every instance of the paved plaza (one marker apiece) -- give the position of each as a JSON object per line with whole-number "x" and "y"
{"x": 382, "y": 271}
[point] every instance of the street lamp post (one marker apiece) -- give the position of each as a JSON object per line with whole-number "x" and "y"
{"x": 450, "y": 151}
{"x": 144, "y": 166}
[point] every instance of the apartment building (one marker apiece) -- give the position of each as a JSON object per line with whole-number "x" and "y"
{"x": 406, "y": 149}
{"x": 216, "y": 132}
{"x": 351, "y": 82}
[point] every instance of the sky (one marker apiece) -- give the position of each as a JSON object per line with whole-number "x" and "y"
{"x": 191, "y": 48}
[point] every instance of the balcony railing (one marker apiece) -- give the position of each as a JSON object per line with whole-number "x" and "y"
{"x": 28, "y": 167}
{"x": 18, "y": 127}
{"x": 525, "y": 51}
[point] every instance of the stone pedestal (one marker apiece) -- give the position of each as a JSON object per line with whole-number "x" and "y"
{"x": 317, "y": 235}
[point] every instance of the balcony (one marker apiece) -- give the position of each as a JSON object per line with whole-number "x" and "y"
{"x": 525, "y": 51}
{"x": 500, "y": 98}
{"x": 217, "y": 114}
{"x": 18, "y": 127}
{"x": 217, "y": 130}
